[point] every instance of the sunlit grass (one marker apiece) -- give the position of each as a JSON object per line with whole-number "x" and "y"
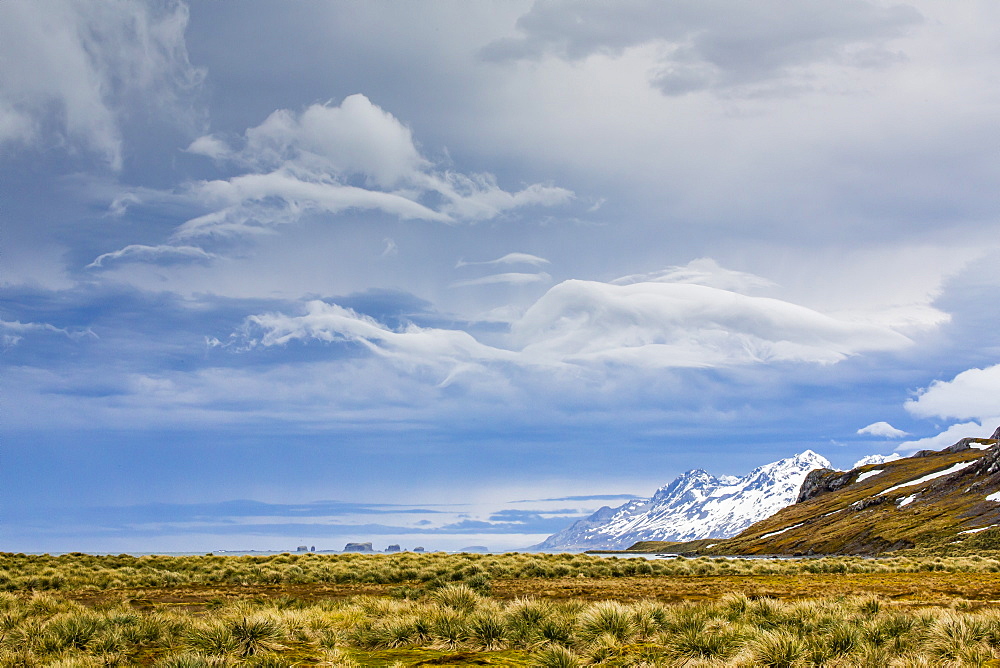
{"x": 46, "y": 629}
{"x": 417, "y": 572}
{"x": 438, "y": 615}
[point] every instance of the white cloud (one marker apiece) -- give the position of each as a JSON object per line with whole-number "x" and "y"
{"x": 949, "y": 436}
{"x": 73, "y": 69}
{"x": 303, "y": 163}
{"x": 119, "y": 205}
{"x": 141, "y": 253}
{"x": 259, "y": 202}
{"x": 390, "y": 247}
{"x": 355, "y": 138}
{"x": 970, "y": 394}
{"x": 703, "y": 271}
{"x": 674, "y": 324}
{"x": 478, "y": 197}
{"x": 510, "y": 278}
{"x": 13, "y": 332}
{"x": 882, "y": 429}
{"x": 586, "y": 323}
{"x": 451, "y": 351}
{"x": 210, "y": 147}
{"x": 507, "y": 314}
{"x": 509, "y": 258}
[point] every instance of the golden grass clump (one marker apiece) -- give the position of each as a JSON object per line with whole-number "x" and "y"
{"x": 443, "y": 617}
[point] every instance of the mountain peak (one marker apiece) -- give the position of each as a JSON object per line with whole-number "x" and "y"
{"x": 935, "y": 497}
{"x": 694, "y": 505}
{"x": 811, "y": 456}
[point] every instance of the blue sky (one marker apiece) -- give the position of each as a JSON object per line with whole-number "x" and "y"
{"x": 452, "y": 274}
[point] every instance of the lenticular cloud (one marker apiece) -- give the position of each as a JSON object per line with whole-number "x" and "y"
{"x": 679, "y": 325}
{"x": 333, "y": 323}
{"x": 593, "y": 324}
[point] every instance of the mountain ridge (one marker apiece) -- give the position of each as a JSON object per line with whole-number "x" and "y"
{"x": 695, "y": 505}
{"x": 932, "y": 499}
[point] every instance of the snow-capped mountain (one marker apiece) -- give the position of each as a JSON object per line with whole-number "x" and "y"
{"x": 695, "y": 505}
{"x": 875, "y": 459}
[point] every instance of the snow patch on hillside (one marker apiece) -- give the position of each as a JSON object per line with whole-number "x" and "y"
{"x": 931, "y": 476}
{"x": 868, "y": 474}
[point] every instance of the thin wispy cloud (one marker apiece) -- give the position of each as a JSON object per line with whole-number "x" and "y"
{"x": 157, "y": 254}
{"x": 508, "y": 278}
{"x": 13, "y": 332}
{"x": 703, "y": 271}
{"x": 509, "y": 258}
{"x": 390, "y": 248}
{"x": 594, "y": 497}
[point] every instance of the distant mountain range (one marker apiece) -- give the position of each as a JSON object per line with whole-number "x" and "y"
{"x": 934, "y": 498}
{"x": 695, "y": 505}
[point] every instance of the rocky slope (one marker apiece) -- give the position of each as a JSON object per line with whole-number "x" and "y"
{"x": 695, "y": 505}
{"x": 931, "y": 499}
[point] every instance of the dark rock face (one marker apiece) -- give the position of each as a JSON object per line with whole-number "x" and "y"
{"x": 822, "y": 481}
{"x": 989, "y": 464}
{"x": 869, "y": 502}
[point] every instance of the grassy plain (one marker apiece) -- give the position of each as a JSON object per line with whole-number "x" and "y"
{"x": 505, "y": 610}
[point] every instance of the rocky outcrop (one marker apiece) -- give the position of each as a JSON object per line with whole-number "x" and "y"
{"x": 823, "y": 481}
{"x": 989, "y": 464}
{"x": 964, "y": 444}
{"x": 868, "y": 503}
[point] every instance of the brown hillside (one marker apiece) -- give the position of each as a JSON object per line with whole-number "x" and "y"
{"x": 932, "y": 498}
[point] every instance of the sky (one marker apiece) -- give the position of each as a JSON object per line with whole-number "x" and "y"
{"x": 450, "y": 273}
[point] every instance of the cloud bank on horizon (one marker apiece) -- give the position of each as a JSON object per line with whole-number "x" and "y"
{"x": 468, "y": 254}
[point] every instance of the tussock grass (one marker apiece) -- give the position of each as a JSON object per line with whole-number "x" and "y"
{"x": 731, "y": 631}
{"x": 444, "y": 616}
{"x": 416, "y": 573}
